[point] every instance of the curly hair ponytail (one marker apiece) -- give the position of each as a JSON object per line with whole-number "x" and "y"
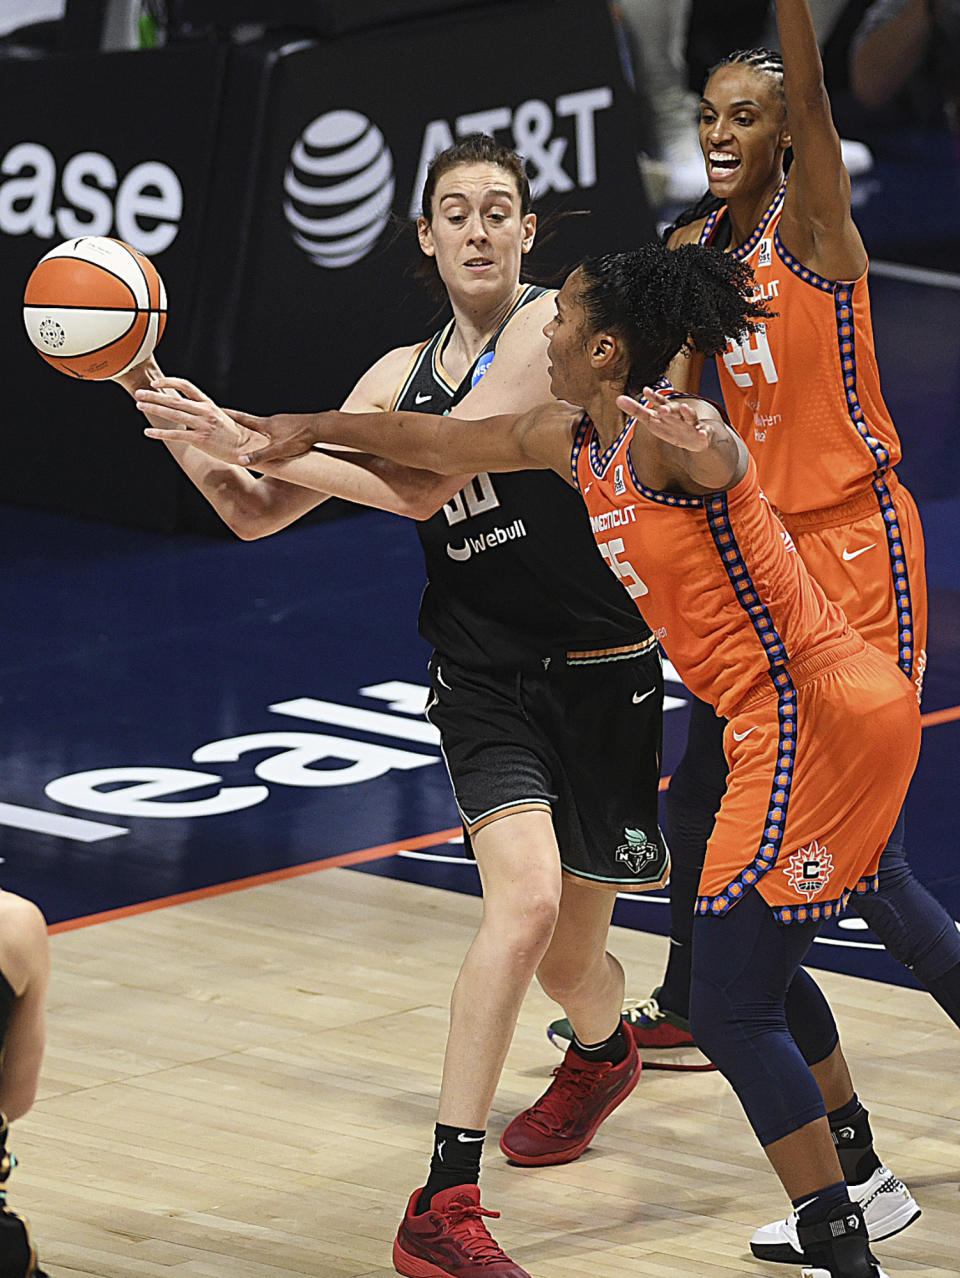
{"x": 660, "y": 301}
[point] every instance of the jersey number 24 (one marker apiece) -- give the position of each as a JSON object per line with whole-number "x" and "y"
{"x": 756, "y": 350}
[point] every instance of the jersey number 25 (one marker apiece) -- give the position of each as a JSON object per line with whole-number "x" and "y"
{"x": 611, "y": 551}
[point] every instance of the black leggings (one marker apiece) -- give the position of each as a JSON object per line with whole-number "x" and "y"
{"x": 910, "y": 922}
{"x": 759, "y": 1016}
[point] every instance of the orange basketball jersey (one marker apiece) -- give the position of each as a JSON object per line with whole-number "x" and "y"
{"x": 804, "y": 395}
{"x": 717, "y": 577}
{"x": 813, "y": 710}
{"x": 804, "y": 392}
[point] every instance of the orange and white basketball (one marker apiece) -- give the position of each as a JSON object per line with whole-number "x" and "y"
{"x": 94, "y": 307}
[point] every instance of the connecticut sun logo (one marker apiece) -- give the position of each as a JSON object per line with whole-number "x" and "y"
{"x": 809, "y": 869}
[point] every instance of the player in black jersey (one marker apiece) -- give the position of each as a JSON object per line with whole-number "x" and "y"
{"x": 24, "y": 974}
{"x": 547, "y": 695}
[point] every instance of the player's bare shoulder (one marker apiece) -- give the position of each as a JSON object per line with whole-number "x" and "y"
{"x": 377, "y": 388}
{"x": 518, "y": 379}
{"x": 689, "y": 234}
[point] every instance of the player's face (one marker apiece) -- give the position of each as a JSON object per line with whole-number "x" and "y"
{"x": 477, "y": 232}
{"x": 571, "y": 373}
{"x": 743, "y": 131}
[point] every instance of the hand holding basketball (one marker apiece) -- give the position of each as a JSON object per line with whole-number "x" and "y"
{"x": 94, "y": 307}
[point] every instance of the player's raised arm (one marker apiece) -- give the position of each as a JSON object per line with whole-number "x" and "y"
{"x": 816, "y": 225}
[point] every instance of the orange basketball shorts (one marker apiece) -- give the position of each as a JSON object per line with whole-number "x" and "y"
{"x": 820, "y": 760}
{"x": 868, "y": 557}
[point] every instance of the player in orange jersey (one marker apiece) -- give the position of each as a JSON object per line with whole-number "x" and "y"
{"x": 814, "y": 712}
{"x": 804, "y": 394}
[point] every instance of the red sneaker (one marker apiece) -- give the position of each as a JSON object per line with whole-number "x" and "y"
{"x": 663, "y": 1038}
{"x": 561, "y": 1124}
{"x": 449, "y": 1239}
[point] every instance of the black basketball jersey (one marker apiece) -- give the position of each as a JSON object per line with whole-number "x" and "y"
{"x": 513, "y": 572}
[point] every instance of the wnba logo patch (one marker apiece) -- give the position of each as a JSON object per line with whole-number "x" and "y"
{"x": 619, "y": 487}
{"x": 809, "y": 869}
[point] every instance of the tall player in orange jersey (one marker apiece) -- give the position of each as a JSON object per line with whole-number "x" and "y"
{"x": 815, "y": 714}
{"x": 804, "y": 394}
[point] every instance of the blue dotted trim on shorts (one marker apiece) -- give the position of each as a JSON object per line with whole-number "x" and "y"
{"x": 901, "y": 578}
{"x": 718, "y": 518}
{"x": 824, "y": 909}
{"x": 776, "y": 818}
{"x": 810, "y": 913}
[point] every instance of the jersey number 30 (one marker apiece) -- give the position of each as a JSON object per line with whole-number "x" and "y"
{"x": 756, "y": 350}
{"x": 480, "y": 496}
{"x": 611, "y": 551}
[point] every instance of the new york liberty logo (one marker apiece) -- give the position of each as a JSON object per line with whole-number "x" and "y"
{"x": 638, "y": 852}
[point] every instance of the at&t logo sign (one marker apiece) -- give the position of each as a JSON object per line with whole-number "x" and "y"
{"x": 339, "y": 188}
{"x": 340, "y": 179}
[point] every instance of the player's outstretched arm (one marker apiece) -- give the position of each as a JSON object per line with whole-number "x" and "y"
{"x": 208, "y": 442}
{"x": 706, "y": 451}
{"x": 539, "y": 439}
{"x": 249, "y": 507}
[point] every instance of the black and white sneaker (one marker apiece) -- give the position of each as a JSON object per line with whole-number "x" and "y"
{"x": 888, "y": 1206}
{"x": 838, "y": 1247}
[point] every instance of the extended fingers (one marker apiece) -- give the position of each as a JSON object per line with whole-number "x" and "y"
{"x": 154, "y": 400}
{"x": 172, "y": 410}
{"x": 172, "y": 436}
{"x": 180, "y": 384}
{"x": 246, "y": 419}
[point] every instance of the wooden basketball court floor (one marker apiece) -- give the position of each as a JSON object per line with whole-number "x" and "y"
{"x": 217, "y": 785}
{"x": 246, "y": 1085}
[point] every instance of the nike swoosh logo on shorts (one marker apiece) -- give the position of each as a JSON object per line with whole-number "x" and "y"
{"x": 739, "y": 736}
{"x": 421, "y": 399}
{"x": 855, "y": 554}
{"x": 642, "y": 696}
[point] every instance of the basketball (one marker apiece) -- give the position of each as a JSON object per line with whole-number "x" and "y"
{"x": 94, "y": 307}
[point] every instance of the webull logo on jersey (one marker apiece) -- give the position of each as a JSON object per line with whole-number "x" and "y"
{"x": 340, "y": 179}
{"x": 492, "y": 540}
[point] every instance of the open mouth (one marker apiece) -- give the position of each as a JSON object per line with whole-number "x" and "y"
{"x": 478, "y": 263}
{"x": 722, "y": 164}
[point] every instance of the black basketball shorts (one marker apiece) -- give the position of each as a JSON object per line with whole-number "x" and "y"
{"x": 580, "y": 738}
